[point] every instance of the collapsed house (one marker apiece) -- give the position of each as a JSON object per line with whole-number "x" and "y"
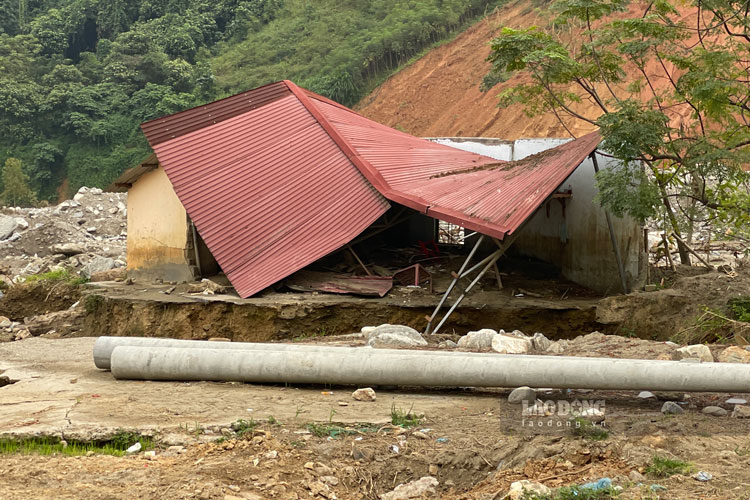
{"x": 266, "y": 182}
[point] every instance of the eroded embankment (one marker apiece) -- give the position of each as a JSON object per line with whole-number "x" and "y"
{"x": 258, "y": 320}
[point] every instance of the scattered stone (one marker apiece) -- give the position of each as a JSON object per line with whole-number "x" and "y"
{"x": 715, "y": 411}
{"x": 22, "y": 223}
{"x": 506, "y": 344}
{"x": 420, "y": 435}
{"x": 736, "y": 401}
{"x": 97, "y": 265}
{"x": 734, "y": 354}
{"x": 521, "y": 394}
{"x": 394, "y": 336}
{"x": 447, "y": 344}
{"x": 672, "y": 408}
{"x": 421, "y": 488}
{"x": 330, "y": 480}
{"x": 68, "y": 249}
{"x": 111, "y": 275}
{"x": 741, "y": 411}
{"x": 480, "y": 340}
{"x": 697, "y": 351}
{"x": 525, "y": 488}
{"x": 646, "y": 395}
{"x": 555, "y": 348}
{"x": 540, "y": 342}
{"x": 5, "y": 322}
{"x": 91, "y": 229}
{"x": 65, "y": 322}
{"x": 636, "y": 477}
{"x": 364, "y": 394}
{"x": 702, "y": 476}
{"x": 7, "y": 226}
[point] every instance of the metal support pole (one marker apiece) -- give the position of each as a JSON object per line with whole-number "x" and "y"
{"x": 618, "y": 257}
{"x": 453, "y": 283}
{"x": 495, "y": 257}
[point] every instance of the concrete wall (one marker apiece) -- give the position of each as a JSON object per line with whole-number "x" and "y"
{"x": 578, "y": 243}
{"x": 157, "y": 230}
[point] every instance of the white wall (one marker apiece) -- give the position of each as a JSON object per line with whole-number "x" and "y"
{"x": 578, "y": 243}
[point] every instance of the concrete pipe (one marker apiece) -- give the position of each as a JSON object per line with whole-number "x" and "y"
{"x": 357, "y": 366}
{"x": 105, "y": 345}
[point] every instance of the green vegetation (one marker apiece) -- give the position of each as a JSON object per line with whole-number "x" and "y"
{"x": 334, "y": 431}
{"x": 740, "y": 307}
{"x": 670, "y": 98}
{"x": 665, "y": 467}
{"x": 584, "y": 428}
{"x": 50, "y": 446}
{"x": 574, "y": 493}
{"x": 77, "y": 77}
{"x": 242, "y": 427}
{"x": 63, "y": 275}
{"x": 405, "y": 418}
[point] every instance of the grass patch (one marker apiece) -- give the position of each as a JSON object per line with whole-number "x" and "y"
{"x": 405, "y": 418}
{"x": 52, "y": 446}
{"x": 242, "y": 427}
{"x": 574, "y": 493}
{"x": 335, "y": 431}
{"x": 665, "y": 467}
{"x": 63, "y": 275}
{"x": 586, "y": 429}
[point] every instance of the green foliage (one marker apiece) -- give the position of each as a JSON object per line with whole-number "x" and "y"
{"x": 574, "y": 493}
{"x": 242, "y": 427}
{"x": 665, "y": 467}
{"x": 49, "y": 446}
{"x": 584, "y": 428}
{"x": 16, "y": 190}
{"x": 405, "y": 418}
{"x": 77, "y": 77}
{"x": 740, "y": 306}
{"x": 63, "y": 275}
{"x": 671, "y": 108}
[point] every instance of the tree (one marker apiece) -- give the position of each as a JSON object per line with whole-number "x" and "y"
{"x": 667, "y": 94}
{"x": 17, "y": 191}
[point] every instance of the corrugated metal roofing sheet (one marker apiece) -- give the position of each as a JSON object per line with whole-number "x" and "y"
{"x": 277, "y": 177}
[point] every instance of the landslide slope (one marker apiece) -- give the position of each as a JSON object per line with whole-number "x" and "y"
{"x": 438, "y": 95}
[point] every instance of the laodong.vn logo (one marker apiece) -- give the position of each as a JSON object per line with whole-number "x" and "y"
{"x": 561, "y": 413}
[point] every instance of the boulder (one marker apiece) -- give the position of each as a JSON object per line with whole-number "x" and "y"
{"x": 540, "y": 342}
{"x": 734, "y": 354}
{"x": 521, "y": 394}
{"x": 22, "y": 224}
{"x": 421, "y": 488}
{"x": 671, "y": 408}
{"x": 7, "y": 226}
{"x": 117, "y": 274}
{"x": 68, "y": 249}
{"x": 697, "y": 351}
{"x": 741, "y": 411}
{"x": 394, "y": 336}
{"x": 506, "y": 344}
{"x": 527, "y": 489}
{"x": 63, "y": 322}
{"x": 714, "y": 411}
{"x": 97, "y": 265}
{"x": 364, "y": 394}
{"x": 555, "y": 348}
{"x": 480, "y": 340}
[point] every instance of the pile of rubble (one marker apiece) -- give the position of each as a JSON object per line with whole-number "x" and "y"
{"x": 87, "y": 234}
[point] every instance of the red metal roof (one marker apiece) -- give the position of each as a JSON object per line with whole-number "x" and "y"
{"x": 277, "y": 177}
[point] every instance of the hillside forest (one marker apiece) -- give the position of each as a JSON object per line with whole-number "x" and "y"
{"x": 77, "y": 77}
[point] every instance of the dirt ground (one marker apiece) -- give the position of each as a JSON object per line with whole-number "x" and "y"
{"x": 473, "y": 441}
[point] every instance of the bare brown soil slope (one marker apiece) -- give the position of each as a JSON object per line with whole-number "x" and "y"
{"x": 439, "y": 94}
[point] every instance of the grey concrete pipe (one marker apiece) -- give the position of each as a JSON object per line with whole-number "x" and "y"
{"x": 357, "y": 366}
{"x": 104, "y": 346}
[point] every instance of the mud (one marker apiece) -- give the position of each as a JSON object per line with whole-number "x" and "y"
{"x": 31, "y": 299}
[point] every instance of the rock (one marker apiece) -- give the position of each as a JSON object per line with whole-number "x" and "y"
{"x": 480, "y": 340}
{"x": 715, "y": 411}
{"x": 111, "y": 275}
{"x": 741, "y": 411}
{"x": 7, "y": 226}
{"x": 734, "y": 354}
{"x": 505, "y": 344}
{"x": 736, "y": 401}
{"x": 555, "y": 348}
{"x": 421, "y": 488}
{"x": 97, "y": 265}
{"x": 65, "y": 322}
{"x": 636, "y": 477}
{"x": 697, "y": 351}
{"x": 524, "y": 489}
{"x": 91, "y": 229}
{"x": 394, "y": 336}
{"x": 95, "y": 191}
{"x": 672, "y": 408}
{"x": 21, "y": 222}
{"x": 540, "y": 342}
{"x": 364, "y": 394}
{"x": 521, "y": 394}
{"x": 5, "y": 322}
{"x": 646, "y": 395}
{"x": 447, "y": 344}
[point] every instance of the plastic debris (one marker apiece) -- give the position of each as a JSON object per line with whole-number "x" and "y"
{"x": 134, "y": 449}
{"x": 703, "y": 476}
{"x": 442, "y": 440}
{"x": 657, "y": 487}
{"x": 602, "y": 484}
{"x": 736, "y": 401}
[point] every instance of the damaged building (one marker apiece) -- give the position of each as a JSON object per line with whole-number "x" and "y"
{"x": 262, "y": 184}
